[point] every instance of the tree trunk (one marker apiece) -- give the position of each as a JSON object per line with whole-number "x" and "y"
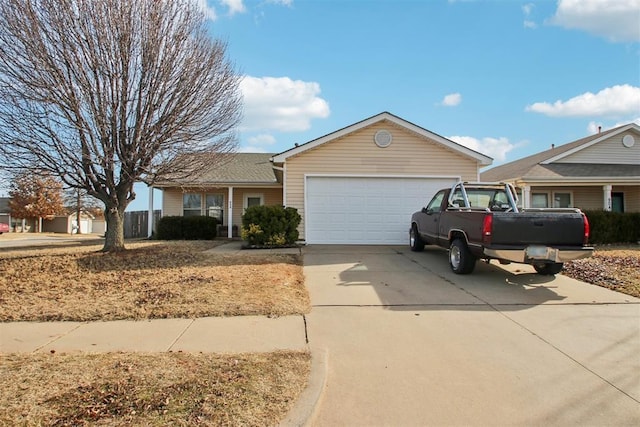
{"x": 114, "y": 237}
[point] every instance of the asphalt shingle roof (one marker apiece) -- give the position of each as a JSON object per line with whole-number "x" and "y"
{"x": 242, "y": 168}
{"x": 530, "y": 166}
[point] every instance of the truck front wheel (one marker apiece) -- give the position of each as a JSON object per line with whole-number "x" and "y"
{"x": 415, "y": 241}
{"x": 461, "y": 260}
{"x": 548, "y": 268}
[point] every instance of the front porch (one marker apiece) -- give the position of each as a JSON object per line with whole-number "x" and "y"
{"x": 225, "y": 203}
{"x": 616, "y": 197}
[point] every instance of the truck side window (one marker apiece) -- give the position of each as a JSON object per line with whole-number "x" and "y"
{"x": 435, "y": 205}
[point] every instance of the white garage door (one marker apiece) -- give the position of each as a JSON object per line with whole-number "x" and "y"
{"x": 354, "y": 210}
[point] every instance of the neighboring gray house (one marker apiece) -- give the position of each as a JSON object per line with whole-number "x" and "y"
{"x": 601, "y": 171}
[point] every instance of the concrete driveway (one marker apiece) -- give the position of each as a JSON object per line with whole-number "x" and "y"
{"x": 410, "y": 343}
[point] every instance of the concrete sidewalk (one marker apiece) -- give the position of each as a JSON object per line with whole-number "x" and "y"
{"x": 210, "y": 334}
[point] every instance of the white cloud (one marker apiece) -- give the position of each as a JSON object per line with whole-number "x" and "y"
{"x": 262, "y": 139}
{"x": 251, "y": 149}
{"x": 527, "y": 10}
{"x": 235, "y": 6}
{"x": 492, "y": 147}
{"x": 616, "y": 20}
{"x": 619, "y": 100}
{"x": 452, "y": 100}
{"x": 281, "y": 104}
{"x": 209, "y": 12}
{"x": 281, "y": 2}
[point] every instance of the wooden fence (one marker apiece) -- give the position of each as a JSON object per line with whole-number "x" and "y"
{"x": 136, "y": 223}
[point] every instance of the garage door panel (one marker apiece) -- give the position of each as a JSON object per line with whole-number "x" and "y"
{"x": 365, "y": 210}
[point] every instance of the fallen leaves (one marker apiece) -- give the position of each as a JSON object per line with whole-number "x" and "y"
{"x": 617, "y": 269}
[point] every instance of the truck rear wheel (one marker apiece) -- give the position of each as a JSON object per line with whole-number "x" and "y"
{"x": 461, "y": 260}
{"x": 415, "y": 242}
{"x": 548, "y": 268}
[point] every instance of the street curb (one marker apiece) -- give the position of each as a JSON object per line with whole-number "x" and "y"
{"x": 304, "y": 410}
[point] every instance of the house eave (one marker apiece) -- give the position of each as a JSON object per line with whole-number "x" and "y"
{"x": 480, "y": 158}
{"x": 237, "y": 184}
{"x": 591, "y": 180}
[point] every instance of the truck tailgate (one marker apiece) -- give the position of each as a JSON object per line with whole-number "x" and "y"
{"x": 543, "y": 228}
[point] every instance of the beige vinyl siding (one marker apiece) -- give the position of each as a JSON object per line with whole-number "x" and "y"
{"x": 172, "y": 200}
{"x": 631, "y": 197}
{"x": 271, "y": 196}
{"x": 610, "y": 151}
{"x": 356, "y": 154}
{"x": 589, "y": 198}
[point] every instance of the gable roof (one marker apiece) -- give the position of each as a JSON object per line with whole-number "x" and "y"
{"x": 235, "y": 169}
{"x": 541, "y": 164}
{"x": 480, "y": 158}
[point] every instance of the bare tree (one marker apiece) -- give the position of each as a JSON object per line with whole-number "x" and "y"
{"x": 35, "y": 197}
{"x": 105, "y": 93}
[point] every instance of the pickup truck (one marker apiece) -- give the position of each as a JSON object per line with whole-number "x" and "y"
{"x": 483, "y": 221}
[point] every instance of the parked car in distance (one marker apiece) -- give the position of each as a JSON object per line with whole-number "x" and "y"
{"x": 483, "y": 221}
{"x": 4, "y": 228}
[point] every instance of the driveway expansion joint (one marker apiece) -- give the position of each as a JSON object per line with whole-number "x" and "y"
{"x": 180, "y": 335}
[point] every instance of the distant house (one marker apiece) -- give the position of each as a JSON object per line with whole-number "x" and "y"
{"x": 357, "y": 185}
{"x": 599, "y": 172}
{"x": 15, "y": 224}
{"x": 5, "y": 212}
{"x": 68, "y": 223}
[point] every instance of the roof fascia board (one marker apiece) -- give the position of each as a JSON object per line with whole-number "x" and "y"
{"x": 590, "y": 143}
{"x": 631, "y": 180}
{"x": 481, "y": 158}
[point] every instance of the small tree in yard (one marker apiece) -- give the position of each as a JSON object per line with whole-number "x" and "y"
{"x": 34, "y": 196}
{"x": 106, "y": 93}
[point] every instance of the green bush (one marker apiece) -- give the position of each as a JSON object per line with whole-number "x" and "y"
{"x": 187, "y": 228}
{"x": 270, "y": 226}
{"x": 613, "y": 227}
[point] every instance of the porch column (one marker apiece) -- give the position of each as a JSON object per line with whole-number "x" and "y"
{"x": 607, "y": 197}
{"x": 230, "y": 214}
{"x": 526, "y": 196}
{"x": 150, "y": 213}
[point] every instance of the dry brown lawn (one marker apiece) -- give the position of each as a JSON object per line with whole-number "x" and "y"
{"x": 613, "y": 267}
{"x": 150, "y": 280}
{"x": 119, "y": 389}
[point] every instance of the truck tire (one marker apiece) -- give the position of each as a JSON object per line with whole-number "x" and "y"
{"x": 548, "y": 268}
{"x": 415, "y": 242}
{"x": 461, "y": 260}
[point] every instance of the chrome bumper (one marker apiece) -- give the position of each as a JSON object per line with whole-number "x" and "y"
{"x": 532, "y": 254}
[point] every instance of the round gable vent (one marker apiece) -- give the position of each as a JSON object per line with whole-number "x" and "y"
{"x": 628, "y": 141}
{"x": 383, "y": 138}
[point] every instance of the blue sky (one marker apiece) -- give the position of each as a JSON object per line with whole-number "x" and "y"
{"x": 506, "y": 78}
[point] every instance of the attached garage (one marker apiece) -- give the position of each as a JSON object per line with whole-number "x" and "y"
{"x": 360, "y": 184}
{"x": 365, "y": 209}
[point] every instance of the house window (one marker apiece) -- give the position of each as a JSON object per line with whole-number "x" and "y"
{"x": 539, "y": 200}
{"x": 191, "y": 204}
{"x": 214, "y": 207}
{"x": 562, "y": 200}
{"x": 253, "y": 200}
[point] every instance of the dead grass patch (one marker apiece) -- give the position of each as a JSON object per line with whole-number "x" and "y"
{"x": 150, "y": 280}
{"x": 612, "y": 267}
{"x": 116, "y": 389}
